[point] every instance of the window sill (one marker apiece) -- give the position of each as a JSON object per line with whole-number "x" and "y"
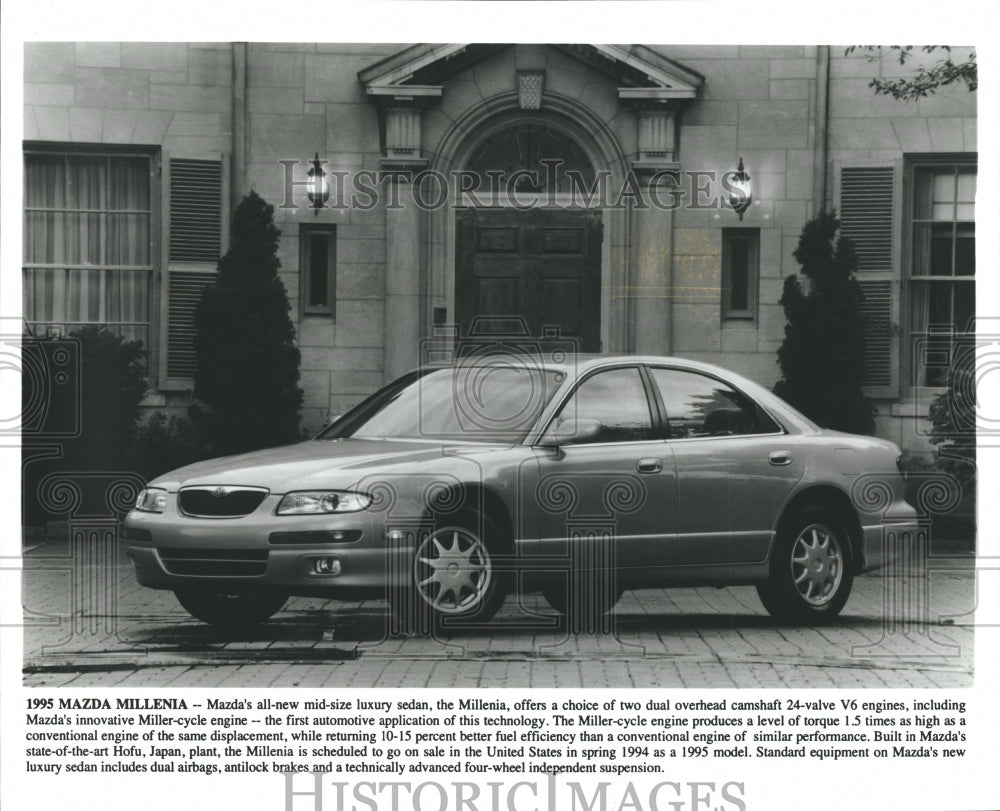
{"x": 154, "y": 399}
{"x": 913, "y": 408}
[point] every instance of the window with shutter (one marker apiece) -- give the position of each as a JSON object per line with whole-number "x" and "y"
{"x": 866, "y": 211}
{"x": 196, "y": 238}
{"x": 941, "y": 264}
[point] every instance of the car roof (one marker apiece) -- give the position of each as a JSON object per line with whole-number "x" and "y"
{"x": 565, "y": 361}
{"x": 576, "y": 364}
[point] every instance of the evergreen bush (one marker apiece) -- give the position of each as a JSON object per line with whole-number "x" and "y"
{"x": 246, "y": 384}
{"x": 822, "y": 358}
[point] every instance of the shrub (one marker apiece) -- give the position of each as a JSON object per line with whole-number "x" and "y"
{"x": 163, "y": 444}
{"x": 248, "y": 363}
{"x": 953, "y": 417}
{"x": 112, "y": 381}
{"x": 822, "y": 358}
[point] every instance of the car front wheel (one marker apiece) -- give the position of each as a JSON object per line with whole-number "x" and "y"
{"x": 811, "y": 576}
{"x": 232, "y": 610}
{"x": 454, "y": 580}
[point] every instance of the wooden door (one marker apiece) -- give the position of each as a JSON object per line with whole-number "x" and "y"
{"x": 537, "y": 271}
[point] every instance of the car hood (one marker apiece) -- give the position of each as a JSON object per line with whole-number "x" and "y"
{"x": 317, "y": 463}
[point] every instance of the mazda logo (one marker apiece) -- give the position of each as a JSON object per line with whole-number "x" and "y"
{"x": 219, "y": 492}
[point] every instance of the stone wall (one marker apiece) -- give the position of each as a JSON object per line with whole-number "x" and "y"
{"x": 172, "y": 95}
{"x": 757, "y": 102}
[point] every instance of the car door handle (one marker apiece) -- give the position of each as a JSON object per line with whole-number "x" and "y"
{"x": 780, "y": 458}
{"x": 649, "y": 465}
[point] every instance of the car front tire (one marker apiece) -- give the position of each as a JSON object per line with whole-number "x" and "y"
{"x": 231, "y": 610}
{"x": 811, "y": 574}
{"x": 454, "y": 580}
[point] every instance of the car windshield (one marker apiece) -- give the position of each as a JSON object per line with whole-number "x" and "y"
{"x": 481, "y": 402}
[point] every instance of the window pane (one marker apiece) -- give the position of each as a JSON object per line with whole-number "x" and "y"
{"x": 88, "y": 178}
{"x": 45, "y": 181}
{"x": 965, "y": 249}
{"x": 923, "y": 194}
{"x": 127, "y": 239}
{"x": 966, "y": 187}
{"x": 83, "y": 240}
{"x": 939, "y": 306}
{"x": 700, "y": 406}
{"x": 129, "y": 184}
{"x": 965, "y": 306}
{"x": 944, "y": 187}
{"x": 616, "y": 399}
{"x": 44, "y": 238}
{"x": 739, "y": 272}
{"x": 319, "y": 261}
{"x": 739, "y": 269}
{"x": 941, "y": 244}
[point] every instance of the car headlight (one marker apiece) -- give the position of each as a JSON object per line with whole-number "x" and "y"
{"x": 152, "y": 500}
{"x": 320, "y": 502}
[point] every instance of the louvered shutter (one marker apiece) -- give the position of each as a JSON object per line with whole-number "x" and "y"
{"x": 866, "y": 214}
{"x": 195, "y": 210}
{"x": 196, "y": 222}
{"x": 866, "y": 211}
{"x": 186, "y": 288}
{"x": 876, "y": 310}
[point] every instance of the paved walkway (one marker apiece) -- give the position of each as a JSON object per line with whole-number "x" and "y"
{"x": 87, "y": 623}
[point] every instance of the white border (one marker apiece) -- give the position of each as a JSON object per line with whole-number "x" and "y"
{"x": 920, "y": 784}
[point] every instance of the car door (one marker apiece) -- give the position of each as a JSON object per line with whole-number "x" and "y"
{"x": 736, "y": 468}
{"x": 615, "y": 490}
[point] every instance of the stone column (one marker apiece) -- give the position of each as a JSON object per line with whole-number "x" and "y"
{"x": 651, "y": 284}
{"x": 651, "y": 289}
{"x": 403, "y": 302}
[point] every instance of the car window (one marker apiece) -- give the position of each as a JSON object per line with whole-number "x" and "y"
{"x": 698, "y": 406}
{"x": 617, "y": 400}
{"x": 475, "y": 402}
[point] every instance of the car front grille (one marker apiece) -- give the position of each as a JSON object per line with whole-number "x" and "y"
{"x": 214, "y": 562}
{"x": 220, "y": 502}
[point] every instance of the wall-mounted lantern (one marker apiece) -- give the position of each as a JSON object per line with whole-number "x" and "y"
{"x": 318, "y": 188}
{"x": 740, "y": 192}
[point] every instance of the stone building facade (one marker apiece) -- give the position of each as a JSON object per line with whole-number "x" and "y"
{"x": 135, "y": 155}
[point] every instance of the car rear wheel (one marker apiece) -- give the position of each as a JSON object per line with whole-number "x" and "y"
{"x": 233, "y": 610}
{"x": 454, "y": 580}
{"x": 811, "y": 576}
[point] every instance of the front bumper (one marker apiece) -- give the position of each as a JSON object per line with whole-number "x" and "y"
{"x": 263, "y": 550}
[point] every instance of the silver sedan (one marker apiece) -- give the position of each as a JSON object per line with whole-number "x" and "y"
{"x": 579, "y": 477}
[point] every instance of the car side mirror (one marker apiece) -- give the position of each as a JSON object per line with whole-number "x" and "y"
{"x": 574, "y": 431}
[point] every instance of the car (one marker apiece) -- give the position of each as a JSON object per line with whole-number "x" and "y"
{"x": 577, "y": 476}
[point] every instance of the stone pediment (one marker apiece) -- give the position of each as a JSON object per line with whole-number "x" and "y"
{"x": 418, "y": 72}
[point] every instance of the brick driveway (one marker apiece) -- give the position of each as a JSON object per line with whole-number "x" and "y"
{"x": 87, "y": 623}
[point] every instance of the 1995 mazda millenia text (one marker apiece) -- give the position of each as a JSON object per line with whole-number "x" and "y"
{"x": 579, "y": 477}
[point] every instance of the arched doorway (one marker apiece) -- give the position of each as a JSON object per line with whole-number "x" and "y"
{"x": 528, "y": 253}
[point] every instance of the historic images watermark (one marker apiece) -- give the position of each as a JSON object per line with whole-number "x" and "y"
{"x": 551, "y": 186}
{"x": 317, "y": 791}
